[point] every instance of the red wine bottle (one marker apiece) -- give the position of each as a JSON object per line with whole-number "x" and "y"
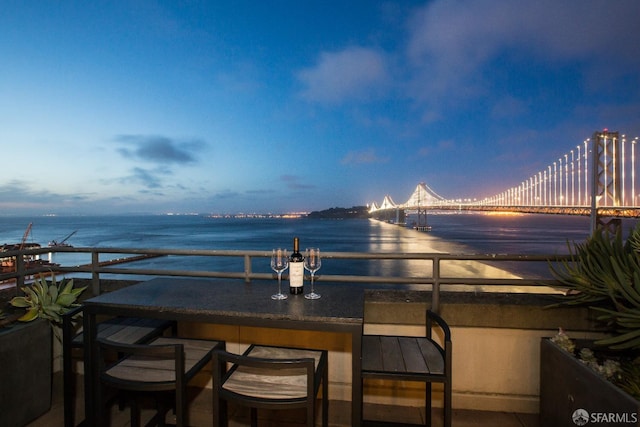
{"x": 296, "y": 269}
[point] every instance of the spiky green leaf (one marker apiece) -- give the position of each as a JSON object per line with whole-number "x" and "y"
{"x": 30, "y": 315}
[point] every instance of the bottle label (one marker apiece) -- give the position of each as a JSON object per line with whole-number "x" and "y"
{"x": 296, "y": 274}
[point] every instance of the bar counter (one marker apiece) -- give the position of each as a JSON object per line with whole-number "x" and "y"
{"x": 232, "y": 302}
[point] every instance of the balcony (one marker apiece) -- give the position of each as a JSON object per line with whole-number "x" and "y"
{"x": 200, "y": 414}
{"x": 496, "y": 323}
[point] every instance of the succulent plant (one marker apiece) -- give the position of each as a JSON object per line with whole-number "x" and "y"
{"x": 47, "y": 301}
{"x": 604, "y": 274}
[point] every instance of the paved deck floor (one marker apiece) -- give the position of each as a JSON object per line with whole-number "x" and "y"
{"x": 339, "y": 414}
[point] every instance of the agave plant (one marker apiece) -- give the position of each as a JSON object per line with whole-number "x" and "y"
{"x": 604, "y": 274}
{"x": 47, "y": 301}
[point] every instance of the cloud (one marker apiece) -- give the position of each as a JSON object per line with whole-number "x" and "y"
{"x": 293, "y": 182}
{"x": 148, "y": 178}
{"x": 362, "y": 157}
{"x": 158, "y": 149}
{"x": 352, "y": 73}
{"x": 24, "y": 195}
{"x": 225, "y": 195}
{"x": 450, "y": 42}
{"x": 440, "y": 146}
{"x": 508, "y": 107}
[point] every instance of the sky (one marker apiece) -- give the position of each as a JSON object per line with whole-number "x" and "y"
{"x": 286, "y": 106}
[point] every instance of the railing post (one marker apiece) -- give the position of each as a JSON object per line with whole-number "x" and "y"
{"x": 435, "y": 293}
{"x": 247, "y": 268}
{"x": 19, "y": 272}
{"x": 95, "y": 275}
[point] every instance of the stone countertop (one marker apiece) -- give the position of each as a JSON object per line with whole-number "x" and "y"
{"x": 477, "y": 310}
{"x": 211, "y": 299}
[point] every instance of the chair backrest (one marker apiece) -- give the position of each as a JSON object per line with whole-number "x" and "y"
{"x": 141, "y": 366}
{"x": 433, "y": 318}
{"x": 268, "y": 365}
{"x": 69, "y": 326}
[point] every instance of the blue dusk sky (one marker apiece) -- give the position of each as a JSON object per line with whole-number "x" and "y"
{"x": 276, "y": 106}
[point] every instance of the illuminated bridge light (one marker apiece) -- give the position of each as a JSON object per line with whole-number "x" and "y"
{"x": 564, "y": 186}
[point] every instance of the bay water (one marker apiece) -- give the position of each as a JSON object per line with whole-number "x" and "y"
{"x": 457, "y": 233}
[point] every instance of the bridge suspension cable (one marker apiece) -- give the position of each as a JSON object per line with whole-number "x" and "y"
{"x": 599, "y": 173}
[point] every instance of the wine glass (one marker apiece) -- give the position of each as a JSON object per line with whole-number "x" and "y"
{"x": 279, "y": 263}
{"x": 312, "y": 263}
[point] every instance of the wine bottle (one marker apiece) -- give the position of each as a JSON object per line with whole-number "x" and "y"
{"x": 296, "y": 269}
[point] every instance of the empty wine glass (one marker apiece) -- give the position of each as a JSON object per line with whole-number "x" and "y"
{"x": 312, "y": 263}
{"x": 279, "y": 263}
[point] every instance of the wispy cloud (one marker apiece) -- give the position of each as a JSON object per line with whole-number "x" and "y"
{"x": 148, "y": 178}
{"x": 450, "y": 42}
{"x": 22, "y": 194}
{"x": 363, "y": 157}
{"x": 158, "y": 149}
{"x": 353, "y": 73}
{"x": 439, "y": 147}
{"x": 295, "y": 182}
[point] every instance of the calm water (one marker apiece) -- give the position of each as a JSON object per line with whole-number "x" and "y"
{"x": 454, "y": 233}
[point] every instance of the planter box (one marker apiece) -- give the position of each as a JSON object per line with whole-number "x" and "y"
{"x": 568, "y": 385}
{"x": 25, "y": 372}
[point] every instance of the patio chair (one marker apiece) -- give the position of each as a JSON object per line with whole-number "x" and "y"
{"x": 266, "y": 377}
{"x": 162, "y": 367}
{"x": 127, "y": 330}
{"x": 419, "y": 359}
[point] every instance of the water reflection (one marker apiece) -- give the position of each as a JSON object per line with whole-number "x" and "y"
{"x": 400, "y": 239}
{"x": 451, "y": 233}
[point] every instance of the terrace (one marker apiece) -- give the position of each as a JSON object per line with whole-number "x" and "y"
{"x": 497, "y": 321}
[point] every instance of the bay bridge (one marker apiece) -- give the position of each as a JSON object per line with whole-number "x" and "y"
{"x": 597, "y": 178}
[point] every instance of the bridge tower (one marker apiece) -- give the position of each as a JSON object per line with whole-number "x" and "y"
{"x": 606, "y": 178}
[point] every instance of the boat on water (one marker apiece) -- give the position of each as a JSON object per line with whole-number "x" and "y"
{"x": 422, "y": 227}
{"x": 63, "y": 242}
{"x": 8, "y": 263}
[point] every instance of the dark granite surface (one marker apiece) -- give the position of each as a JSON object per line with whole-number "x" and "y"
{"x": 212, "y": 299}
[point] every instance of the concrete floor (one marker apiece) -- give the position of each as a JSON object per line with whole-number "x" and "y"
{"x": 339, "y": 414}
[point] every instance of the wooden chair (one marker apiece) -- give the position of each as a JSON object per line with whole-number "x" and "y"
{"x": 266, "y": 377}
{"x": 165, "y": 364}
{"x": 127, "y": 330}
{"x": 404, "y": 358}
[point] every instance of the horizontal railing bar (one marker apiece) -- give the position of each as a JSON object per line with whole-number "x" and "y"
{"x": 266, "y": 254}
{"x": 323, "y": 277}
{"x": 435, "y": 260}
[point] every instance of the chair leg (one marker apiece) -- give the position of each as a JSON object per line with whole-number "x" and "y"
{"x": 162, "y": 409}
{"x": 427, "y": 404}
{"x": 69, "y": 386}
{"x": 311, "y": 414}
{"x": 325, "y": 398}
{"x": 135, "y": 412}
{"x": 224, "y": 414}
{"x": 181, "y": 406}
{"x": 447, "y": 403}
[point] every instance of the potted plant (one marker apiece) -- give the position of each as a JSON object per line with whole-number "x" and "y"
{"x": 26, "y": 348}
{"x": 596, "y": 380}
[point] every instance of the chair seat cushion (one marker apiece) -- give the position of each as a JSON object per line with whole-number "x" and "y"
{"x": 154, "y": 369}
{"x": 272, "y": 383}
{"x": 126, "y": 330}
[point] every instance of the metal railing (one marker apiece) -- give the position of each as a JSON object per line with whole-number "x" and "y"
{"x": 434, "y": 263}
